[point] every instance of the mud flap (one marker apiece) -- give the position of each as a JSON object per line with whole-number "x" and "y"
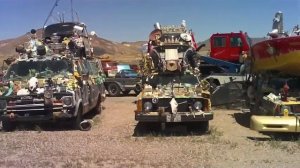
{"x": 228, "y": 93}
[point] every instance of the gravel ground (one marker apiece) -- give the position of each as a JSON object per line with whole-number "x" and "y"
{"x": 117, "y": 140}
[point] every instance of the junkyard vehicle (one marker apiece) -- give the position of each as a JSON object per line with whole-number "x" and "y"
{"x": 120, "y": 79}
{"x": 172, "y": 90}
{"x": 274, "y": 91}
{"x": 121, "y": 84}
{"x": 54, "y": 80}
{"x": 224, "y": 67}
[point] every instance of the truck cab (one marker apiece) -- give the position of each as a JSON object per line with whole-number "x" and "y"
{"x": 229, "y": 46}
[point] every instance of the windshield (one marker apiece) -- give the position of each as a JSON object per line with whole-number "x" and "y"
{"x": 182, "y": 80}
{"x": 129, "y": 71}
{"x": 40, "y": 69}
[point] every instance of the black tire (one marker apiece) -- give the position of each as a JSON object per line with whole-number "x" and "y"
{"x": 77, "y": 120}
{"x": 204, "y": 126}
{"x": 137, "y": 89}
{"x": 213, "y": 85}
{"x": 113, "y": 89}
{"x": 126, "y": 92}
{"x": 8, "y": 125}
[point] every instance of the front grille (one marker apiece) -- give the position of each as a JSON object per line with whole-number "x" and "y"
{"x": 183, "y": 104}
{"x": 31, "y": 107}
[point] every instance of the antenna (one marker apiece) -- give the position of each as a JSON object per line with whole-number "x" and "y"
{"x": 55, "y": 4}
{"x": 77, "y": 16}
{"x": 72, "y": 12}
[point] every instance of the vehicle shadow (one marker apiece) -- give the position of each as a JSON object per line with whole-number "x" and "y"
{"x": 276, "y": 137}
{"x": 129, "y": 95}
{"x": 242, "y": 118}
{"x": 145, "y": 129}
{"x": 237, "y": 105}
{"x": 59, "y": 125}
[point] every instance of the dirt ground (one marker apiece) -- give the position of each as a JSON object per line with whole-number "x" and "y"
{"x": 117, "y": 140}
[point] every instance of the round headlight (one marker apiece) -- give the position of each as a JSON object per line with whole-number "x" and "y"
{"x": 147, "y": 106}
{"x": 48, "y": 94}
{"x": 67, "y": 101}
{"x": 2, "y": 104}
{"x": 285, "y": 110}
{"x": 154, "y": 100}
{"x": 197, "y": 105}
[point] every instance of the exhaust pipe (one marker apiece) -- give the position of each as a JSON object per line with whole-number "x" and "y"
{"x": 86, "y": 125}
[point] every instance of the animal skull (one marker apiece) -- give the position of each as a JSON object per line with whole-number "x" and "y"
{"x": 32, "y": 84}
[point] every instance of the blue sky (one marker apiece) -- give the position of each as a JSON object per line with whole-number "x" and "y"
{"x": 132, "y": 20}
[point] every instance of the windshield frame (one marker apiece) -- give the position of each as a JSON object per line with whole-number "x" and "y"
{"x": 38, "y": 68}
{"x": 181, "y": 80}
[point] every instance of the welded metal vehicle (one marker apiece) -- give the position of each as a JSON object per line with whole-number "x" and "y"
{"x": 51, "y": 81}
{"x": 172, "y": 90}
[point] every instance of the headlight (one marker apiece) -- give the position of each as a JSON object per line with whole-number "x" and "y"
{"x": 148, "y": 106}
{"x": 61, "y": 89}
{"x": 154, "y": 100}
{"x": 285, "y": 110}
{"x": 197, "y": 105}
{"x": 48, "y": 94}
{"x": 67, "y": 100}
{"x": 2, "y": 104}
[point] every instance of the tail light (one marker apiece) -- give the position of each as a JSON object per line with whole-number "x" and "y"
{"x": 139, "y": 106}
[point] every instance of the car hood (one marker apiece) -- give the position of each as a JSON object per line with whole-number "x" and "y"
{"x": 21, "y": 86}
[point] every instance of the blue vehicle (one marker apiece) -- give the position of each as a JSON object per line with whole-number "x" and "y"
{"x": 127, "y": 73}
{"x": 124, "y": 81}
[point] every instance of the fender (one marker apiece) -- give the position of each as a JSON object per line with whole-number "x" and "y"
{"x": 79, "y": 102}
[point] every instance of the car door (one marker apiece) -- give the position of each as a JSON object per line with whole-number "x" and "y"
{"x": 85, "y": 90}
{"x": 92, "y": 82}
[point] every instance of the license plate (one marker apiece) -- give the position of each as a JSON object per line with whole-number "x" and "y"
{"x": 26, "y": 97}
{"x": 173, "y": 118}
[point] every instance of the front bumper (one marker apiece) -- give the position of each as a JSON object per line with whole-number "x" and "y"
{"x": 34, "y": 118}
{"x": 169, "y": 117}
{"x": 275, "y": 123}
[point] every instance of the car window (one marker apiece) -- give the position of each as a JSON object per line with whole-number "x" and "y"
{"x": 219, "y": 41}
{"x": 92, "y": 67}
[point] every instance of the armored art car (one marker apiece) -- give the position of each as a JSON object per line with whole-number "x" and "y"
{"x": 53, "y": 78}
{"x": 172, "y": 90}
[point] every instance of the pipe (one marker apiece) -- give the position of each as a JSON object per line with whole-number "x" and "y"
{"x": 86, "y": 125}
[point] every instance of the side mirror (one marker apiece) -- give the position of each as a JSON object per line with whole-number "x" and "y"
{"x": 199, "y": 48}
{"x": 32, "y": 31}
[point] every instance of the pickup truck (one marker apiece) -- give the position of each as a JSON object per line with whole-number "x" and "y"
{"x": 124, "y": 81}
